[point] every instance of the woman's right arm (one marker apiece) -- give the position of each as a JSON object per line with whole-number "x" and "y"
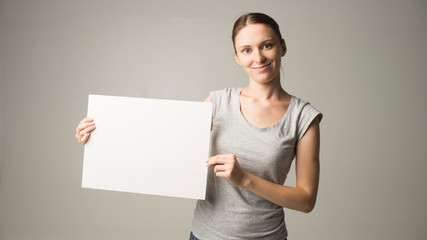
{"x": 83, "y": 130}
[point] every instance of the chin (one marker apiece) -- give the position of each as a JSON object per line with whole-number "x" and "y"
{"x": 263, "y": 79}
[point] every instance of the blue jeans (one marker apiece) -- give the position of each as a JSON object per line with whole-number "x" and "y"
{"x": 192, "y": 237}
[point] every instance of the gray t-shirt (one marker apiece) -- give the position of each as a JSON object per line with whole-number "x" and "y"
{"x": 230, "y": 212}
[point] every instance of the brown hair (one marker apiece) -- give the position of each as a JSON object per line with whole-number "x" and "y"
{"x": 253, "y": 18}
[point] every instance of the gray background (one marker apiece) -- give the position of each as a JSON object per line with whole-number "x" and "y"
{"x": 362, "y": 63}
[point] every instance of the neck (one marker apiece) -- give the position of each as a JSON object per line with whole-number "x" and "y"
{"x": 265, "y": 91}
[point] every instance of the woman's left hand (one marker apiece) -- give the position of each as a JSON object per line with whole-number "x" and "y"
{"x": 226, "y": 166}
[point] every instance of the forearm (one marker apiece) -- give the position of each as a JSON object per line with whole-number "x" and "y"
{"x": 296, "y": 198}
{"x": 302, "y": 197}
{"x": 307, "y": 166}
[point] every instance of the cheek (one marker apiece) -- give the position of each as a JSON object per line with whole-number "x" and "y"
{"x": 245, "y": 62}
{"x": 274, "y": 55}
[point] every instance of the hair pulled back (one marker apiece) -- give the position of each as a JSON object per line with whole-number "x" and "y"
{"x": 254, "y": 18}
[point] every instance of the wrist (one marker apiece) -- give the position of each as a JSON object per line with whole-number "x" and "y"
{"x": 247, "y": 180}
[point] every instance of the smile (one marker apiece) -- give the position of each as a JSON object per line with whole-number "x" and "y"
{"x": 261, "y": 68}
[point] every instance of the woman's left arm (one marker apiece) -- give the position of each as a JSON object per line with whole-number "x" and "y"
{"x": 302, "y": 197}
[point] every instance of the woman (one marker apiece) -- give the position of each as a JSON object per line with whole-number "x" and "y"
{"x": 256, "y": 133}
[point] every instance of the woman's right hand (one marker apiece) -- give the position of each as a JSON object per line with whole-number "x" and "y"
{"x": 83, "y": 130}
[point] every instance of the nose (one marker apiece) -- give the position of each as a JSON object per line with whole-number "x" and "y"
{"x": 259, "y": 57}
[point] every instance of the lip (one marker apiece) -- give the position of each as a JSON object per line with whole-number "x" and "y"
{"x": 261, "y": 68}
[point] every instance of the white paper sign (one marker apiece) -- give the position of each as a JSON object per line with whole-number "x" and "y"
{"x": 148, "y": 146}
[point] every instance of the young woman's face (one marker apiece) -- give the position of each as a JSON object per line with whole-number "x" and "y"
{"x": 259, "y": 51}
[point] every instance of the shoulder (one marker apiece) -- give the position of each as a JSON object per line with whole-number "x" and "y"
{"x": 304, "y": 109}
{"x": 223, "y": 100}
{"x": 303, "y": 114}
{"x": 225, "y": 92}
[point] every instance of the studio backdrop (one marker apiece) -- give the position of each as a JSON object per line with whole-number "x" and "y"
{"x": 363, "y": 64}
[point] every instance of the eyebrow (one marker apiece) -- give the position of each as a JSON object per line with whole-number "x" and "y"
{"x": 263, "y": 42}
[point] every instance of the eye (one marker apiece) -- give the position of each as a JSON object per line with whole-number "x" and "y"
{"x": 267, "y": 46}
{"x": 246, "y": 51}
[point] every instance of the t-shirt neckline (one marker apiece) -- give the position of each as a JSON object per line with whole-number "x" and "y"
{"x": 280, "y": 122}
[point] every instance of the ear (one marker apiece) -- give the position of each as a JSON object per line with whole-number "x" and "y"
{"x": 237, "y": 58}
{"x": 283, "y": 44}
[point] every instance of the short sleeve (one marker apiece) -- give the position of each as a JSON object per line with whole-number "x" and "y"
{"x": 215, "y": 97}
{"x": 308, "y": 114}
{"x": 213, "y": 100}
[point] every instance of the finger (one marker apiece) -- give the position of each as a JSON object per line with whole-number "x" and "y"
{"x": 84, "y": 125}
{"x": 212, "y": 161}
{"x": 84, "y": 138}
{"x": 222, "y": 174}
{"x": 220, "y": 168}
{"x": 80, "y": 127}
{"x": 79, "y": 138}
{"x": 87, "y": 130}
{"x": 224, "y": 161}
{"x": 221, "y": 159}
{"x": 86, "y": 119}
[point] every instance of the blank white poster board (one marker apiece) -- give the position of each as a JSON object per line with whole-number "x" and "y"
{"x": 148, "y": 146}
